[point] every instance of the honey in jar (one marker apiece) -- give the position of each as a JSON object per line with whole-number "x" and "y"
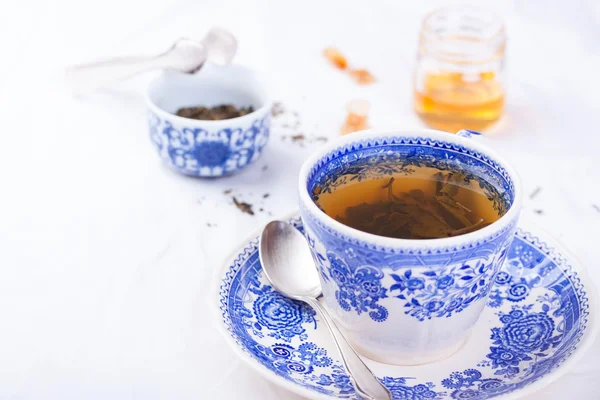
{"x": 459, "y": 75}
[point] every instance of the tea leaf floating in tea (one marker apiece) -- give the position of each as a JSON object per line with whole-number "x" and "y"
{"x": 442, "y": 205}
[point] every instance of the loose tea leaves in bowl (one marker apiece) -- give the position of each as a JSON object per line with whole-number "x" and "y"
{"x": 424, "y": 205}
{"x": 220, "y": 112}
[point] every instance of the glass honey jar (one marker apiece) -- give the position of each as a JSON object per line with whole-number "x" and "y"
{"x": 459, "y": 78}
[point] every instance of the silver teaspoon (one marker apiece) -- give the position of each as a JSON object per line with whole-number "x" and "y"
{"x": 289, "y": 266}
{"x": 186, "y": 55}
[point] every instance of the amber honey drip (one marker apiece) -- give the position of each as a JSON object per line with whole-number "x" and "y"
{"x": 454, "y": 101}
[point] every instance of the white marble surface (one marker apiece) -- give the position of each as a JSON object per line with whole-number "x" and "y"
{"x": 106, "y": 256}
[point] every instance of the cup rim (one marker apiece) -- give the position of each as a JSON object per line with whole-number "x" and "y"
{"x": 409, "y": 244}
{"x": 232, "y": 68}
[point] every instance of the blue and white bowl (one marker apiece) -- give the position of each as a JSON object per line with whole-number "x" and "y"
{"x": 208, "y": 148}
{"x": 405, "y": 301}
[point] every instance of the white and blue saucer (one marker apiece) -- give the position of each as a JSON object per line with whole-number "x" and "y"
{"x": 540, "y": 318}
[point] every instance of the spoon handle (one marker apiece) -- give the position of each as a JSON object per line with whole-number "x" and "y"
{"x": 365, "y": 382}
{"x": 89, "y": 77}
{"x": 185, "y": 55}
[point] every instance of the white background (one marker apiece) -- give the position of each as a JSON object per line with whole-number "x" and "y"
{"x": 105, "y": 255}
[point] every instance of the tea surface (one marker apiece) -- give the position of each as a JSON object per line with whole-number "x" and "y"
{"x": 427, "y": 204}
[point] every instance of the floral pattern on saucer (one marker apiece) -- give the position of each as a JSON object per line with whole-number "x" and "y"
{"x": 274, "y": 315}
{"x": 537, "y": 314}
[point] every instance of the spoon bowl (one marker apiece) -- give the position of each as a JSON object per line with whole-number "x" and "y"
{"x": 288, "y": 264}
{"x": 279, "y": 244}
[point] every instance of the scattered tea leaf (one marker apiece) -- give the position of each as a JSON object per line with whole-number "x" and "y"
{"x": 302, "y": 139}
{"x": 277, "y": 109}
{"x": 538, "y": 211}
{"x": 266, "y": 195}
{"x": 243, "y": 207}
{"x": 298, "y": 137}
{"x": 596, "y": 207}
{"x": 227, "y": 191}
{"x": 535, "y": 192}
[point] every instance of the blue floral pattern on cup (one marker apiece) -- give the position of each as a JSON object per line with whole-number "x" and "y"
{"x": 427, "y": 293}
{"x": 528, "y": 338}
{"x": 360, "y": 289}
{"x": 511, "y": 284}
{"x": 430, "y": 283}
{"x": 204, "y": 152}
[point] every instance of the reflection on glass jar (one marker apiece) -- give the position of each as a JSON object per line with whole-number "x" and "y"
{"x": 459, "y": 76}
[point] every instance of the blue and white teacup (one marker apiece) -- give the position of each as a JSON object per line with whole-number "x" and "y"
{"x": 403, "y": 301}
{"x": 209, "y": 148}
